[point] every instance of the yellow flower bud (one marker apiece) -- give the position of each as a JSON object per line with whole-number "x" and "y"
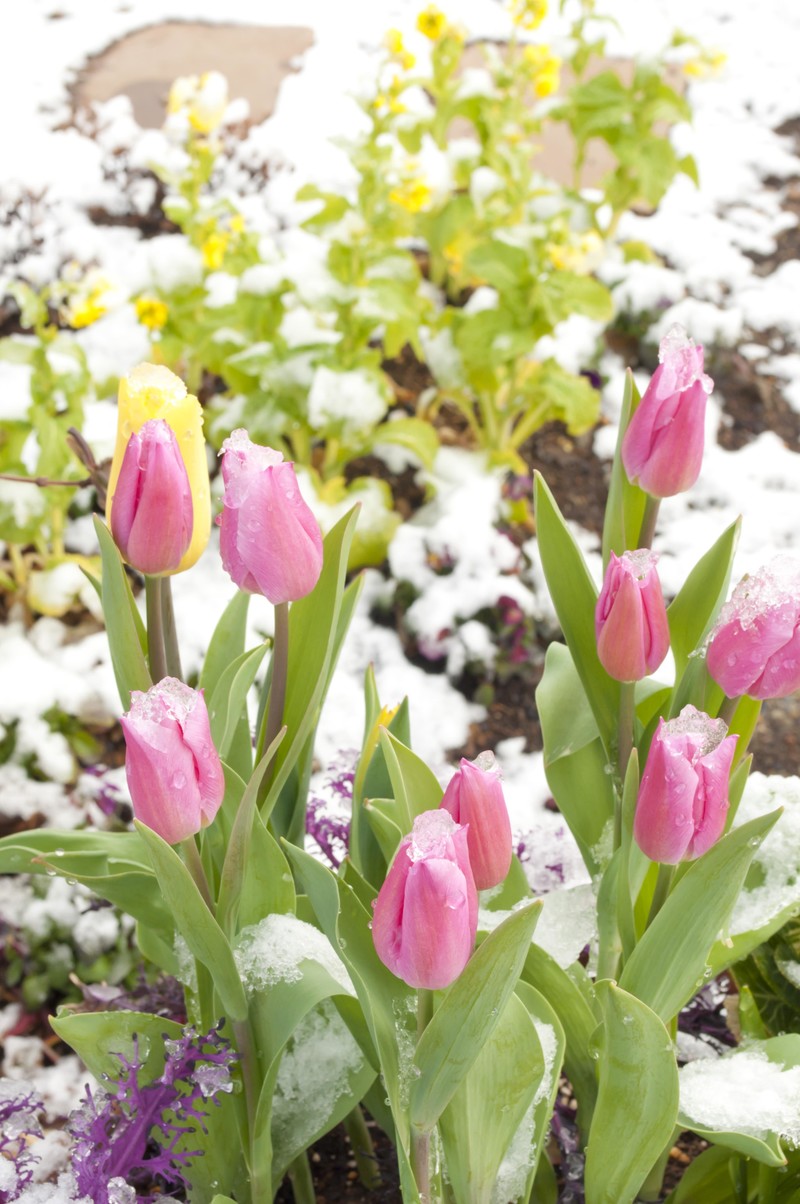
{"x": 213, "y": 250}
{"x": 152, "y": 391}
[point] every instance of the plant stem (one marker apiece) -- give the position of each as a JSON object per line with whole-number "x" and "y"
{"x": 260, "y": 1185}
{"x": 300, "y": 1178}
{"x": 363, "y": 1149}
{"x": 649, "y": 522}
{"x": 663, "y": 884}
{"x": 627, "y": 716}
{"x": 194, "y": 865}
{"x": 156, "y": 655}
{"x": 278, "y": 670}
{"x": 171, "y": 647}
{"x": 421, "y": 1140}
{"x": 727, "y": 711}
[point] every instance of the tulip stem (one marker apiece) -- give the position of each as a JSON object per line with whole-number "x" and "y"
{"x": 363, "y": 1149}
{"x": 301, "y": 1180}
{"x": 727, "y": 711}
{"x": 194, "y": 865}
{"x": 171, "y": 647}
{"x": 261, "y": 1191}
{"x": 278, "y": 670}
{"x": 156, "y": 655}
{"x": 649, "y": 518}
{"x": 421, "y": 1139}
{"x": 627, "y": 718}
{"x": 663, "y": 885}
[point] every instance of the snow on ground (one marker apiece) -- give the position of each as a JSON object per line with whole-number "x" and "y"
{"x": 711, "y": 286}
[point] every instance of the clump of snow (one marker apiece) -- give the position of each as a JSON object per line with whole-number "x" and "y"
{"x": 568, "y": 923}
{"x": 743, "y": 1092}
{"x": 350, "y": 398}
{"x": 517, "y": 1162}
{"x": 274, "y": 950}
{"x": 774, "y": 879}
{"x": 316, "y": 1066}
{"x": 549, "y": 1043}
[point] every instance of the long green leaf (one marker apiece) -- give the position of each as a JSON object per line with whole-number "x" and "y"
{"x": 574, "y": 596}
{"x": 626, "y": 502}
{"x": 691, "y": 613}
{"x": 637, "y": 1098}
{"x": 227, "y": 642}
{"x": 415, "y": 787}
{"x": 467, "y": 1015}
{"x": 669, "y": 963}
{"x": 119, "y": 608}
{"x": 195, "y": 922}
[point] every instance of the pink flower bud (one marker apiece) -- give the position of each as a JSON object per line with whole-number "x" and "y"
{"x": 426, "y": 914}
{"x": 683, "y": 796}
{"x": 153, "y": 514}
{"x": 474, "y": 796}
{"x": 269, "y": 539}
{"x": 755, "y": 645}
{"x": 173, "y": 770}
{"x": 630, "y": 619}
{"x": 662, "y": 449}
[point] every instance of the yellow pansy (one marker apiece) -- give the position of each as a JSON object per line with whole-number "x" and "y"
{"x": 412, "y": 195}
{"x": 213, "y": 250}
{"x": 152, "y": 391}
{"x": 151, "y": 312}
{"x": 203, "y": 98}
{"x": 528, "y": 14}
{"x": 706, "y": 65}
{"x": 432, "y": 22}
{"x": 89, "y": 301}
{"x": 397, "y": 49}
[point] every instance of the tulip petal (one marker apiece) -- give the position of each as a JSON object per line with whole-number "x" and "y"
{"x": 436, "y": 936}
{"x": 662, "y": 825}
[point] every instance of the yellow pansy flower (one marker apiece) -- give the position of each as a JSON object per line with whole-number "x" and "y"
{"x": 706, "y": 65}
{"x": 213, "y": 250}
{"x": 528, "y": 14}
{"x": 432, "y": 22}
{"x": 89, "y": 301}
{"x": 412, "y": 195}
{"x": 151, "y": 312}
{"x": 152, "y": 391}
{"x": 397, "y": 49}
{"x": 204, "y": 99}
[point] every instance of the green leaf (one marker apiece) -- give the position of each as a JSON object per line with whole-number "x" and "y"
{"x": 574, "y": 758}
{"x": 706, "y": 1180}
{"x": 574, "y": 596}
{"x": 317, "y": 626}
{"x": 121, "y": 615}
{"x": 637, "y": 1094}
{"x": 227, "y": 642}
{"x": 414, "y": 434}
{"x": 500, "y": 264}
{"x": 692, "y": 612}
{"x": 482, "y": 1118}
{"x": 415, "y": 787}
{"x": 626, "y": 502}
{"x": 553, "y": 1041}
{"x": 669, "y": 963}
{"x": 99, "y": 1038}
{"x": 467, "y": 1015}
{"x": 228, "y": 700}
{"x": 195, "y": 922}
{"x": 382, "y": 814}
{"x": 255, "y": 870}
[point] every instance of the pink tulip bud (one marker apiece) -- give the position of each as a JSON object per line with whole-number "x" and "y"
{"x": 269, "y": 539}
{"x": 755, "y": 645}
{"x": 173, "y": 770}
{"x": 474, "y": 796}
{"x": 630, "y": 618}
{"x": 426, "y": 914}
{"x": 683, "y": 796}
{"x": 153, "y": 515}
{"x": 662, "y": 449}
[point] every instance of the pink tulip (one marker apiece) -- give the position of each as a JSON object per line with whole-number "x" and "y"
{"x": 152, "y": 514}
{"x": 630, "y": 618}
{"x": 683, "y": 796}
{"x": 755, "y": 645}
{"x": 173, "y": 770}
{"x": 269, "y": 539}
{"x": 662, "y": 450}
{"x": 474, "y": 796}
{"x": 426, "y": 914}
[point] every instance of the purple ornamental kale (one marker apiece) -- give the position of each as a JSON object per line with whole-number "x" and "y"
{"x": 133, "y": 1136}
{"x": 18, "y": 1108}
{"x": 330, "y": 830}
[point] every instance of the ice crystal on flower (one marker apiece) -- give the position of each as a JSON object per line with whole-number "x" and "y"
{"x": 431, "y": 834}
{"x": 707, "y": 732}
{"x": 774, "y": 587}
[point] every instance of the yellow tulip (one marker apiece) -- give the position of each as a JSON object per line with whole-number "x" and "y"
{"x": 152, "y": 391}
